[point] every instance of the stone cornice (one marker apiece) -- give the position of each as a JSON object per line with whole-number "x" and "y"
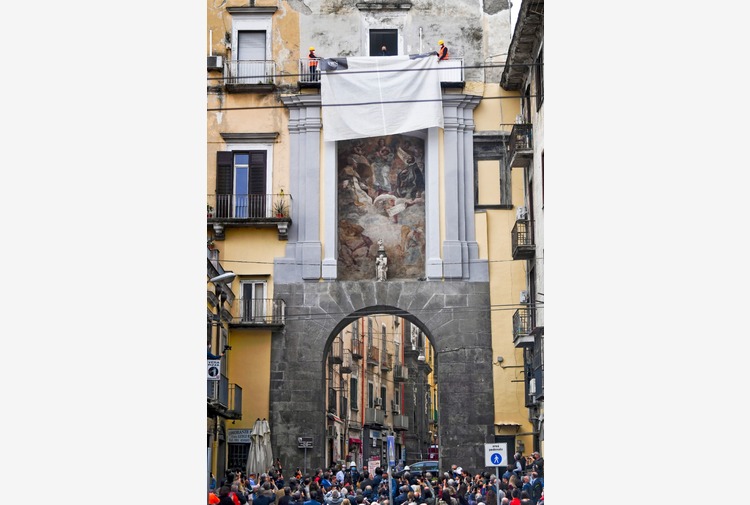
{"x": 251, "y": 10}
{"x": 252, "y": 138}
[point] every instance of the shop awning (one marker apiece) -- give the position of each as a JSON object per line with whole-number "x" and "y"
{"x": 355, "y": 441}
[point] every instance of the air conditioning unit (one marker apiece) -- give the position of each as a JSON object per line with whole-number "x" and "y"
{"x": 524, "y": 297}
{"x": 215, "y": 62}
{"x": 394, "y": 408}
{"x": 331, "y": 432}
{"x": 378, "y": 402}
{"x": 522, "y": 213}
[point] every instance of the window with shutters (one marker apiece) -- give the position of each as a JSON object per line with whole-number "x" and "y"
{"x": 242, "y": 180}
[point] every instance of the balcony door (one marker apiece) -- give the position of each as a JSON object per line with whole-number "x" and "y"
{"x": 251, "y": 56}
{"x": 253, "y": 301}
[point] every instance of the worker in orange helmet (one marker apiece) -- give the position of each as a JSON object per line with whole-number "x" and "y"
{"x": 313, "y": 64}
{"x": 442, "y": 51}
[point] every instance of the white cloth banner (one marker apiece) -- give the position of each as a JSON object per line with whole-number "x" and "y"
{"x": 369, "y": 83}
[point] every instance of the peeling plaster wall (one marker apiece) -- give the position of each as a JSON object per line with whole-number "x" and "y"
{"x": 471, "y": 30}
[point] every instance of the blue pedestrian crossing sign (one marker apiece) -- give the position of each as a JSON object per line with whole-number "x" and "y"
{"x": 496, "y": 454}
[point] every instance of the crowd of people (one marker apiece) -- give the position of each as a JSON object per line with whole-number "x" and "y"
{"x": 521, "y": 484}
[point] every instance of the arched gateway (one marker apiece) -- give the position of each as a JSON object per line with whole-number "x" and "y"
{"x": 455, "y": 316}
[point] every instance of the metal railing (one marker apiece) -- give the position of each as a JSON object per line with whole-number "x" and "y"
{"x": 308, "y": 73}
{"x": 235, "y": 398}
{"x": 523, "y": 322}
{"x": 373, "y": 355}
{"x": 400, "y": 422}
{"x": 218, "y": 391}
{"x": 259, "y": 311}
{"x": 520, "y": 138}
{"x": 522, "y": 240}
{"x": 374, "y": 416}
{"x": 243, "y": 206}
{"x": 386, "y": 360}
{"x": 449, "y": 70}
{"x": 336, "y": 356}
{"x": 250, "y": 72}
{"x": 357, "y": 347}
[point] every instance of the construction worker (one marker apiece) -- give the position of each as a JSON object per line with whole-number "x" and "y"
{"x": 442, "y": 51}
{"x": 313, "y": 64}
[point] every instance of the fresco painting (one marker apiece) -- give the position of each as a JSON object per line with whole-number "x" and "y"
{"x": 381, "y": 196}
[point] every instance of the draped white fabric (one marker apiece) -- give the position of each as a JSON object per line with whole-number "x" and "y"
{"x": 369, "y": 83}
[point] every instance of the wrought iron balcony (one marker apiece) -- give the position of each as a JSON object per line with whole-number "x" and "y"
{"x": 357, "y": 348}
{"x": 250, "y": 75}
{"x": 400, "y": 373}
{"x": 521, "y": 147}
{"x": 386, "y": 361}
{"x": 523, "y": 327}
{"x": 373, "y": 355}
{"x": 224, "y": 399}
{"x": 258, "y": 312}
{"x": 400, "y": 423}
{"x": 451, "y": 72}
{"x": 243, "y": 210}
{"x": 522, "y": 238}
{"x": 374, "y": 416}
{"x": 346, "y": 363}
{"x": 336, "y": 356}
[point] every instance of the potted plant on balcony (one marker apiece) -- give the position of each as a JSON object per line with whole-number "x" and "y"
{"x": 279, "y": 208}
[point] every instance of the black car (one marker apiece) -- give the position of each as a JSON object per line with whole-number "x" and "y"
{"x": 419, "y": 468}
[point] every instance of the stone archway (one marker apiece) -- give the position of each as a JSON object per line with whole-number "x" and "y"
{"x": 455, "y": 315}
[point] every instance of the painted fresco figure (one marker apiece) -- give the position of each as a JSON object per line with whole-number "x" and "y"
{"x": 410, "y": 180}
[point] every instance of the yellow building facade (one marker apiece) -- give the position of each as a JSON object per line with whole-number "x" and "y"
{"x": 276, "y": 218}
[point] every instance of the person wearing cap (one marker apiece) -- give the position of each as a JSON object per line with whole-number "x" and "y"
{"x": 313, "y": 64}
{"x": 442, "y": 51}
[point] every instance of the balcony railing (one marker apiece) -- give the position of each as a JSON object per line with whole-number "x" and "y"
{"x": 400, "y": 423}
{"x": 258, "y": 312}
{"x": 520, "y": 148}
{"x": 308, "y": 74}
{"x": 249, "y": 207}
{"x": 336, "y": 356}
{"x": 346, "y": 363}
{"x": 357, "y": 348}
{"x": 374, "y": 416}
{"x": 523, "y": 325}
{"x": 250, "y": 72}
{"x": 373, "y": 355}
{"x": 522, "y": 239}
{"x": 450, "y": 71}
{"x": 224, "y": 398}
{"x": 386, "y": 361}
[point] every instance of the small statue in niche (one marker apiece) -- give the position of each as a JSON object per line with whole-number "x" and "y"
{"x": 381, "y": 262}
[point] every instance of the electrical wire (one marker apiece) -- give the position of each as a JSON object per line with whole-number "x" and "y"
{"x": 260, "y": 107}
{"x": 349, "y": 72}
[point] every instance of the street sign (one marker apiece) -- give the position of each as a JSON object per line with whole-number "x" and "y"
{"x": 304, "y": 442}
{"x": 496, "y": 454}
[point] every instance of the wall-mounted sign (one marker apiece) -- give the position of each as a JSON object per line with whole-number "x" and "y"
{"x": 238, "y": 436}
{"x": 214, "y": 369}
